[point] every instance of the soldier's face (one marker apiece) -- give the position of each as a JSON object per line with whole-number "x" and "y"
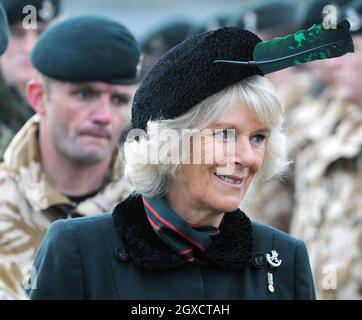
{"x": 84, "y": 121}
{"x": 347, "y": 71}
{"x": 15, "y": 64}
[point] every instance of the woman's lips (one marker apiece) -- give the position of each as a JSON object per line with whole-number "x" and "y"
{"x": 235, "y": 182}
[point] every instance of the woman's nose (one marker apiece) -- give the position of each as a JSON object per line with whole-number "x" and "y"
{"x": 244, "y": 153}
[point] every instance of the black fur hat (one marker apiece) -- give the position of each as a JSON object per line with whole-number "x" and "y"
{"x": 187, "y": 74}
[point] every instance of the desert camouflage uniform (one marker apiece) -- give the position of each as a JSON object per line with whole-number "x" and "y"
{"x": 328, "y": 211}
{"x": 28, "y": 204}
{"x": 272, "y": 202}
{"x": 13, "y": 114}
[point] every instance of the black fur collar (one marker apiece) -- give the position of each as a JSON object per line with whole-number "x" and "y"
{"x": 231, "y": 250}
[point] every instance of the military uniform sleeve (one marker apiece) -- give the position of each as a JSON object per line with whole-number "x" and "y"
{"x": 57, "y": 266}
{"x": 304, "y": 286}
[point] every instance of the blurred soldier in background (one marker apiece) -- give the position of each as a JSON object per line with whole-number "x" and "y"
{"x": 15, "y": 65}
{"x": 161, "y": 40}
{"x": 4, "y": 37}
{"x": 210, "y": 23}
{"x": 269, "y": 19}
{"x": 328, "y": 178}
{"x": 65, "y": 161}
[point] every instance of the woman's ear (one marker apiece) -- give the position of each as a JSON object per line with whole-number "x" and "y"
{"x": 35, "y": 92}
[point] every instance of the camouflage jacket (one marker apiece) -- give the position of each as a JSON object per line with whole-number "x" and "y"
{"x": 328, "y": 209}
{"x": 28, "y": 204}
{"x": 14, "y": 112}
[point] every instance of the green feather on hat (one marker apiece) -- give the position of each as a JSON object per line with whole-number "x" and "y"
{"x": 303, "y": 46}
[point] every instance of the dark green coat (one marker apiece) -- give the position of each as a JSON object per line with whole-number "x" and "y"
{"x": 119, "y": 256}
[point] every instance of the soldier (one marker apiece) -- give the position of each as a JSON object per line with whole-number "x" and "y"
{"x": 4, "y": 37}
{"x": 161, "y": 40}
{"x": 258, "y": 18}
{"x": 328, "y": 212}
{"x": 15, "y": 65}
{"x": 210, "y": 23}
{"x": 65, "y": 161}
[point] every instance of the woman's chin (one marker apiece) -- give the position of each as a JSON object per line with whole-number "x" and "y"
{"x": 228, "y": 205}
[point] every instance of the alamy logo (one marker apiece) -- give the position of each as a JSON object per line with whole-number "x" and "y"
{"x": 30, "y": 278}
{"x": 30, "y": 20}
{"x": 46, "y": 13}
{"x": 329, "y": 280}
{"x": 330, "y": 16}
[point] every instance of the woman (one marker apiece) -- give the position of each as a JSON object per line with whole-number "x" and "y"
{"x": 214, "y": 131}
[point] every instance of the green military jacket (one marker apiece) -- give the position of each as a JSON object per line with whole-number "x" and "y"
{"x": 29, "y": 204}
{"x": 119, "y": 256}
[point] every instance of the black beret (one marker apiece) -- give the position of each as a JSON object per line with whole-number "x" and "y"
{"x": 88, "y": 48}
{"x": 353, "y": 12}
{"x": 46, "y": 9}
{"x": 4, "y": 30}
{"x": 312, "y": 12}
{"x": 187, "y": 75}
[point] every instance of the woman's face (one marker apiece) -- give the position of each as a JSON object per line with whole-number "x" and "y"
{"x": 221, "y": 184}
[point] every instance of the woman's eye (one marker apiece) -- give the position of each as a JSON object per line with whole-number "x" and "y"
{"x": 258, "y": 139}
{"x": 225, "y": 135}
